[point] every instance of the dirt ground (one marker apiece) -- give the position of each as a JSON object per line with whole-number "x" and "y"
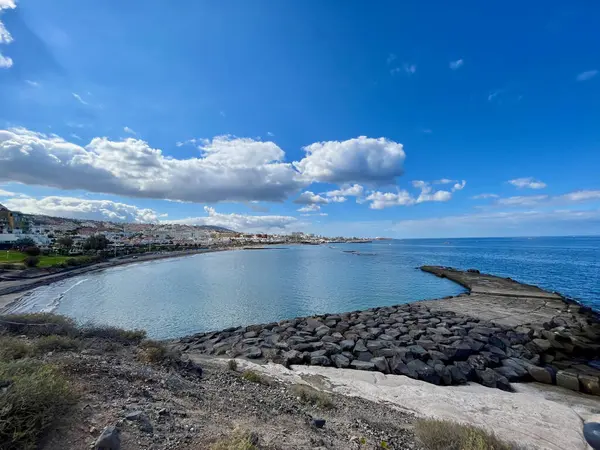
{"x": 175, "y": 408}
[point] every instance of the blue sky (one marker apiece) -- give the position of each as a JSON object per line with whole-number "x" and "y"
{"x": 230, "y": 112}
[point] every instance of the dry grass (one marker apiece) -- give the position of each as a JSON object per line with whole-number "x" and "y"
{"x": 238, "y": 440}
{"x": 56, "y": 343}
{"x": 254, "y": 377}
{"x": 119, "y": 335}
{"x": 232, "y": 365}
{"x": 307, "y": 394}
{"x": 36, "y": 395}
{"x": 38, "y": 324}
{"x": 445, "y": 435}
{"x": 13, "y": 348}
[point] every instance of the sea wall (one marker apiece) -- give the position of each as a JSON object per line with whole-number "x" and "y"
{"x": 442, "y": 342}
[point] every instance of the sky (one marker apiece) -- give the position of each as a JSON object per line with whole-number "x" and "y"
{"x": 399, "y": 119}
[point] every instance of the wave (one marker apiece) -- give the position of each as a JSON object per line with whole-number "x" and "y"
{"x": 38, "y": 300}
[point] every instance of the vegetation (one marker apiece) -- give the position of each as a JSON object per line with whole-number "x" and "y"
{"x": 250, "y": 375}
{"x": 32, "y": 251}
{"x": 153, "y": 352}
{"x": 35, "y": 395}
{"x": 12, "y": 348}
{"x": 56, "y": 343}
{"x": 232, "y": 365}
{"x": 97, "y": 242}
{"x": 24, "y": 243}
{"x": 238, "y": 440}
{"x": 16, "y": 258}
{"x": 307, "y": 394}
{"x": 445, "y": 435}
{"x": 65, "y": 242}
{"x": 126, "y": 337}
{"x": 38, "y": 324}
{"x": 31, "y": 261}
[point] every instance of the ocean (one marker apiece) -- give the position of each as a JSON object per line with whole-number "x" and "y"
{"x": 176, "y": 297}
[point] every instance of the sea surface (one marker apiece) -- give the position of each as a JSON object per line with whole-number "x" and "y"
{"x": 175, "y": 297}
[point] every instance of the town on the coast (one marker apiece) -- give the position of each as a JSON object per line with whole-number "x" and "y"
{"x": 79, "y": 238}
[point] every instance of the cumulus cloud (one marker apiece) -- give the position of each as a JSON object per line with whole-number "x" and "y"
{"x": 355, "y": 160}
{"x": 229, "y": 169}
{"x": 310, "y": 208}
{"x": 308, "y": 198}
{"x": 587, "y": 75}
{"x": 241, "y": 222}
{"x": 484, "y": 196}
{"x": 5, "y": 37}
{"x": 454, "y": 65}
{"x": 77, "y": 208}
{"x": 381, "y": 200}
{"x": 355, "y": 190}
{"x": 459, "y": 186}
{"x": 4, "y": 193}
{"x": 527, "y": 182}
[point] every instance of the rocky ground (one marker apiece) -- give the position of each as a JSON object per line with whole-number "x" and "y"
{"x": 174, "y": 407}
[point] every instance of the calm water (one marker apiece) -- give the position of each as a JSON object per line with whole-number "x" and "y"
{"x": 175, "y": 297}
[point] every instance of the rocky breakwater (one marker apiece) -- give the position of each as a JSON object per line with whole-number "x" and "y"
{"x": 433, "y": 344}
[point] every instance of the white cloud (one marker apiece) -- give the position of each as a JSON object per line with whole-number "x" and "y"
{"x": 587, "y": 75}
{"x": 77, "y": 208}
{"x": 579, "y": 196}
{"x": 129, "y": 130}
{"x": 270, "y": 134}
{"x": 32, "y": 83}
{"x": 75, "y": 136}
{"x": 409, "y": 69}
{"x": 391, "y": 58}
{"x": 192, "y": 141}
{"x": 525, "y": 200}
{"x": 484, "y": 196}
{"x": 308, "y": 198}
{"x": 444, "y": 181}
{"x": 361, "y": 159}
{"x": 454, "y": 65}
{"x": 355, "y": 190}
{"x": 4, "y": 193}
{"x": 310, "y": 208}
{"x": 381, "y": 200}
{"x": 241, "y": 222}
{"x": 527, "y": 182}
{"x": 79, "y": 99}
{"x": 5, "y": 62}
{"x": 229, "y": 169}
{"x": 459, "y": 186}
{"x": 427, "y": 194}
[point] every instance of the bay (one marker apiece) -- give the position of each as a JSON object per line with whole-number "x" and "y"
{"x": 175, "y": 297}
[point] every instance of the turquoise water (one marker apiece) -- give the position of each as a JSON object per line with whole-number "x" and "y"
{"x": 176, "y": 297}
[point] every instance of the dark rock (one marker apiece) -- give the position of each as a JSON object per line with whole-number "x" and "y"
{"x": 398, "y": 367}
{"x": 318, "y": 353}
{"x": 322, "y": 330}
{"x": 568, "y": 380}
{"x": 591, "y": 431}
{"x": 508, "y": 372}
{"x": 320, "y": 361}
{"x": 488, "y": 377}
{"x": 497, "y": 351}
{"x": 313, "y": 324}
{"x": 360, "y": 346}
{"x": 308, "y": 346}
{"x": 418, "y": 352}
{"x": 461, "y": 351}
{"x": 362, "y": 365}
{"x": 498, "y": 341}
{"x": 466, "y": 369}
{"x": 589, "y": 384}
{"x": 541, "y": 345}
{"x": 251, "y": 334}
{"x": 477, "y": 362}
{"x": 347, "y": 344}
{"x": 519, "y": 366}
{"x": 292, "y": 357}
{"x": 253, "y": 353}
{"x": 364, "y": 356}
{"x": 444, "y": 374}
{"x": 381, "y": 364}
{"x": 331, "y": 348}
{"x": 134, "y": 415}
{"x": 434, "y": 354}
{"x": 425, "y": 372}
{"x": 340, "y": 361}
{"x": 318, "y": 423}
{"x": 386, "y": 352}
{"x": 540, "y": 374}
{"x": 426, "y": 344}
{"x": 458, "y": 377}
{"x": 483, "y": 330}
{"x": 110, "y": 439}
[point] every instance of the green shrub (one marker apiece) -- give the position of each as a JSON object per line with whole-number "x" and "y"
{"x": 238, "y": 440}
{"x": 32, "y": 251}
{"x": 56, "y": 343}
{"x": 72, "y": 262}
{"x": 307, "y": 394}
{"x": 38, "y": 324}
{"x": 31, "y": 261}
{"x": 116, "y": 334}
{"x": 12, "y": 348}
{"x": 445, "y": 435}
{"x": 156, "y": 352}
{"x": 254, "y": 377}
{"x": 35, "y": 397}
{"x": 232, "y": 365}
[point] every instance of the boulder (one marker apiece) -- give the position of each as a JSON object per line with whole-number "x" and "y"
{"x": 292, "y": 357}
{"x": 110, "y": 439}
{"x": 517, "y": 365}
{"x": 541, "y": 374}
{"x": 363, "y": 356}
{"x": 373, "y": 346}
{"x": 508, "y": 372}
{"x": 589, "y": 384}
{"x": 322, "y": 330}
{"x": 331, "y": 348}
{"x": 362, "y": 365}
{"x": 418, "y": 352}
{"x": 347, "y": 345}
{"x": 360, "y": 346}
{"x": 568, "y": 380}
{"x": 381, "y": 364}
{"x": 320, "y": 361}
{"x": 458, "y": 377}
{"x": 340, "y": 361}
{"x": 444, "y": 374}
{"x": 424, "y": 372}
{"x": 540, "y": 345}
{"x": 253, "y": 353}
{"x": 398, "y": 367}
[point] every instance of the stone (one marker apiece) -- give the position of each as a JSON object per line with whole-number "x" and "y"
{"x": 360, "y": 346}
{"x": 591, "y": 432}
{"x": 320, "y": 361}
{"x": 362, "y": 365}
{"x": 444, "y": 374}
{"x": 497, "y": 351}
{"x": 386, "y": 352}
{"x": 541, "y": 374}
{"x": 373, "y": 346}
{"x": 318, "y": 353}
{"x": 110, "y": 439}
{"x": 322, "y": 330}
{"x": 331, "y": 348}
{"x": 458, "y": 377}
{"x": 313, "y": 324}
{"x": 477, "y": 362}
{"x": 517, "y": 365}
{"x": 364, "y": 356}
{"x": 567, "y": 380}
{"x": 251, "y": 334}
{"x": 253, "y": 353}
{"x": 381, "y": 364}
{"x": 308, "y": 346}
{"x": 134, "y": 415}
{"x": 347, "y": 344}
{"x": 462, "y": 350}
{"x": 418, "y": 352}
{"x": 434, "y": 354}
{"x": 541, "y": 345}
{"x": 465, "y": 368}
{"x": 487, "y": 377}
{"x": 425, "y": 372}
{"x": 292, "y": 357}
{"x": 589, "y": 384}
{"x": 340, "y": 361}
{"x": 498, "y": 341}
{"x": 507, "y": 372}
{"x": 318, "y": 423}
